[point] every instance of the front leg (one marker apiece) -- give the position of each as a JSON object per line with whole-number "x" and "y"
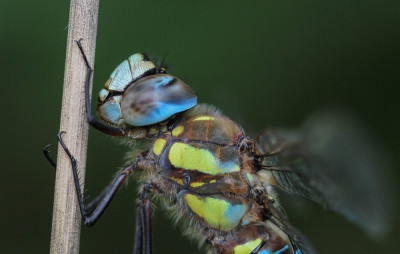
{"x": 113, "y": 131}
{"x": 92, "y": 212}
{"x": 46, "y": 153}
{"x": 143, "y": 234}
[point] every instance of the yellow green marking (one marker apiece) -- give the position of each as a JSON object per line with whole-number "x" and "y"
{"x": 196, "y": 184}
{"x": 203, "y": 118}
{"x": 250, "y": 177}
{"x": 177, "y": 180}
{"x": 187, "y": 157}
{"x": 247, "y": 247}
{"x": 159, "y": 145}
{"x": 192, "y": 184}
{"x": 218, "y": 213}
{"x": 177, "y": 130}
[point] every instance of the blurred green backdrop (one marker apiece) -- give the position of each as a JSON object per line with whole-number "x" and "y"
{"x": 261, "y": 62}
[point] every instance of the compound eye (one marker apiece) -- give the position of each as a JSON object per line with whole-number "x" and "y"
{"x": 155, "y": 98}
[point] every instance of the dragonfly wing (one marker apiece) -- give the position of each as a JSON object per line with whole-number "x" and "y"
{"x": 331, "y": 161}
{"x": 299, "y": 242}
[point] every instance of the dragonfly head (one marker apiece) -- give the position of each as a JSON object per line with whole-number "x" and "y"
{"x": 139, "y": 94}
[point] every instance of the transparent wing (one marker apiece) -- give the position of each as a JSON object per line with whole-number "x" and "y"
{"x": 300, "y": 243}
{"x": 331, "y": 161}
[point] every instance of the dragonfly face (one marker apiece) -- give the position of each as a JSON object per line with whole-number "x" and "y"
{"x": 202, "y": 166}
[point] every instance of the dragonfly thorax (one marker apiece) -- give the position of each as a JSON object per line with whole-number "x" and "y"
{"x": 204, "y": 164}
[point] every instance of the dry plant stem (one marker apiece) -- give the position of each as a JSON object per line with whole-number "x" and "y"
{"x": 66, "y": 216}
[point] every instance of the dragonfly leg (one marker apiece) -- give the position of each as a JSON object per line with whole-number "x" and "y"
{"x": 92, "y": 212}
{"x": 138, "y": 247}
{"x": 255, "y": 251}
{"x": 113, "y": 131}
{"x": 143, "y": 234}
{"x": 93, "y": 204}
{"x": 46, "y": 153}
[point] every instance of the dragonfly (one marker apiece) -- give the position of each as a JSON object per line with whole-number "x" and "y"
{"x": 220, "y": 183}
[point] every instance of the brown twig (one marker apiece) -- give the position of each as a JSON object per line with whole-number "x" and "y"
{"x": 66, "y": 217}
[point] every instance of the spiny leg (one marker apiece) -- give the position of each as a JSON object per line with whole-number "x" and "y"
{"x": 255, "y": 251}
{"x": 138, "y": 247}
{"x": 113, "y": 131}
{"x": 143, "y": 234}
{"x": 92, "y": 205}
{"x": 46, "y": 153}
{"x": 92, "y": 212}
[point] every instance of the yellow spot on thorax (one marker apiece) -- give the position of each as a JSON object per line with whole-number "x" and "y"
{"x": 196, "y": 184}
{"x": 247, "y": 247}
{"x": 177, "y": 180}
{"x": 177, "y": 130}
{"x": 250, "y": 177}
{"x": 191, "y": 158}
{"x": 192, "y": 184}
{"x": 159, "y": 145}
{"x": 203, "y": 118}
{"x": 152, "y": 131}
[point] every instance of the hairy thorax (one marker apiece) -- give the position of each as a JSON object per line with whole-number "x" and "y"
{"x": 204, "y": 165}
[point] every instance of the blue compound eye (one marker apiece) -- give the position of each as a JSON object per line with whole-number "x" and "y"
{"x": 155, "y": 98}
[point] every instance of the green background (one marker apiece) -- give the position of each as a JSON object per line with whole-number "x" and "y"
{"x": 262, "y": 63}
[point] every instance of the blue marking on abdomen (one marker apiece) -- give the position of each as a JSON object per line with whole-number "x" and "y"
{"x": 235, "y": 212}
{"x": 286, "y": 247}
{"x": 298, "y": 251}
